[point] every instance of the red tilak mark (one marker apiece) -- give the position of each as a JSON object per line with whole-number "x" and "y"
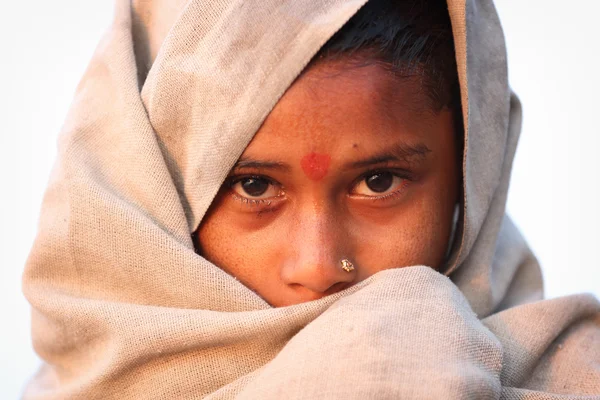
{"x": 315, "y": 165}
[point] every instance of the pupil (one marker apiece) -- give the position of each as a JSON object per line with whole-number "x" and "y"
{"x": 380, "y": 182}
{"x": 255, "y": 186}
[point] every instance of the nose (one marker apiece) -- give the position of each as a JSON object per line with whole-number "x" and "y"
{"x": 318, "y": 244}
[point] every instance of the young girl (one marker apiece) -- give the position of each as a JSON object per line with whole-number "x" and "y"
{"x": 297, "y": 199}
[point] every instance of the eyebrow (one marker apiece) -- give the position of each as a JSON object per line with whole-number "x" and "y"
{"x": 399, "y": 152}
{"x": 247, "y": 162}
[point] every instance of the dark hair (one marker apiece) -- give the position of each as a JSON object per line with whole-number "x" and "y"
{"x": 411, "y": 37}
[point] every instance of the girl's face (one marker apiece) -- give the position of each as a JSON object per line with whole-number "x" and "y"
{"x": 352, "y": 163}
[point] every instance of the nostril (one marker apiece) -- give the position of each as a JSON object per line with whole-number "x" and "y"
{"x": 304, "y": 293}
{"x": 337, "y": 287}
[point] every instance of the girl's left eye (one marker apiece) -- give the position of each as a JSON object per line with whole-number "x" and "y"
{"x": 378, "y": 184}
{"x": 255, "y": 188}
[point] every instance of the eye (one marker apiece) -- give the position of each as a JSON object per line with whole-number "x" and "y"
{"x": 377, "y": 184}
{"x": 255, "y": 187}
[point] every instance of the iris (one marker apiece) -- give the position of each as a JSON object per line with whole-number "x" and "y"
{"x": 254, "y": 186}
{"x": 380, "y": 182}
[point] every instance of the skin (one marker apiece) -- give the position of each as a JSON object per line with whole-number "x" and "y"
{"x": 333, "y": 127}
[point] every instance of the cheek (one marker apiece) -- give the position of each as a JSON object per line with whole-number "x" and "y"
{"x": 415, "y": 234}
{"x": 217, "y": 236}
{"x": 227, "y": 242}
{"x": 216, "y": 239}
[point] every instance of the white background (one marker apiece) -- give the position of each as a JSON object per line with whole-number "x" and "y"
{"x": 554, "y": 66}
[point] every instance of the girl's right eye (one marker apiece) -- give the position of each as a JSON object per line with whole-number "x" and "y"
{"x": 255, "y": 187}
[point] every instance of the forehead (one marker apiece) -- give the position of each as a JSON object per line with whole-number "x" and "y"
{"x": 335, "y": 102}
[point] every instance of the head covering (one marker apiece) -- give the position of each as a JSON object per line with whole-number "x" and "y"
{"x": 124, "y": 308}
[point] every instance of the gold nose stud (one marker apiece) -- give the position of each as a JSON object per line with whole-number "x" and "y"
{"x": 347, "y": 265}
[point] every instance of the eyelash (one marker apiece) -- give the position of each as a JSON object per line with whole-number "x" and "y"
{"x": 405, "y": 175}
{"x": 232, "y": 180}
{"x": 251, "y": 202}
{"x": 388, "y": 196}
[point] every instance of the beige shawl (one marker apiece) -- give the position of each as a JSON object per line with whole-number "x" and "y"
{"x": 123, "y": 308}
